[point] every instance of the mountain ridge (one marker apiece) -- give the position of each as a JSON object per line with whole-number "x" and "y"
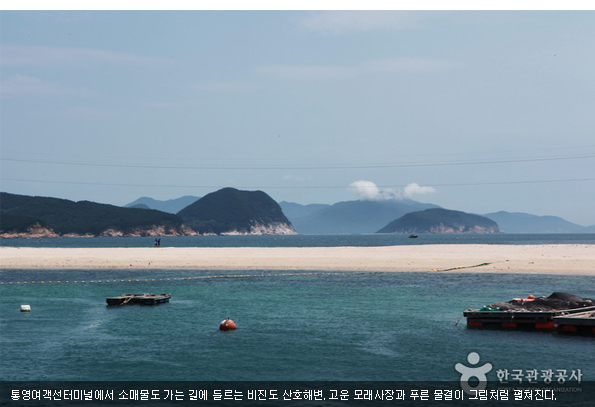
{"x": 346, "y": 217}
{"x": 170, "y": 205}
{"x": 519, "y": 222}
{"x": 305, "y": 219}
{"x": 231, "y": 211}
{"x": 353, "y": 217}
{"x": 24, "y": 215}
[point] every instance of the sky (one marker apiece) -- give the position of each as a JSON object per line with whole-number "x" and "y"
{"x": 479, "y": 111}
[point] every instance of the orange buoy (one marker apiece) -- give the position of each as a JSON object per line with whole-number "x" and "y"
{"x": 227, "y": 325}
{"x": 529, "y": 298}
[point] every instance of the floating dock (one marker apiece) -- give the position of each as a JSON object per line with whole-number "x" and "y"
{"x": 142, "y": 299}
{"x": 520, "y": 319}
{"x": 559, "y": 311}
{"x": 580, "y": 322}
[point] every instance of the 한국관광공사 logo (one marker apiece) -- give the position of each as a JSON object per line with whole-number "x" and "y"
{"x": 470, "y": 372}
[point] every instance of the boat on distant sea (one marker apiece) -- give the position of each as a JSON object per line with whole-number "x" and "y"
{"x": 142, "y": 299}
{"x": 413, "y": 236}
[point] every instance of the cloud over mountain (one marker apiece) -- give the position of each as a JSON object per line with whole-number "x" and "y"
{"x": 368, "y": 190}
{"x": 416, "y": 189}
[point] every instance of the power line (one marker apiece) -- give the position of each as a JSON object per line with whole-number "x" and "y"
{"x": 305, "y": 167}
{"x": 299, "y": 187}
{"x": 401, "y": 155}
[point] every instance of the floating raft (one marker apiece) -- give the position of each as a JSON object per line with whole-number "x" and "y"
{"x": 143, "y": 299}
{"x": 579, "y": 322}
{"x": 549, "y": 313}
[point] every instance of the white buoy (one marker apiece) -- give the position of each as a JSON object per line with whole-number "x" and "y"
{"x": 25, "y": 308}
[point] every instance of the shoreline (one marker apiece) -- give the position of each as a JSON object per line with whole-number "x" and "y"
{"x": 571, "y": 259}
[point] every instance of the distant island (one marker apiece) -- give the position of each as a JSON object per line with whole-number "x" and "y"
{"x": 349, "y": 217}
{"x": 233, "y": 212}
{"x": 438, "y": 220}
{"x": 28, "y": 216}
{"x": 228, "y": 211}
{"x": 368, "y": 216}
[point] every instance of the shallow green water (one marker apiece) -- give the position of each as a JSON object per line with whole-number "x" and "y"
{"x": 343, "y": 326}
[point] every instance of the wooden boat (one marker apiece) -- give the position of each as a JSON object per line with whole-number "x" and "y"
{"x": 143, "y": 299}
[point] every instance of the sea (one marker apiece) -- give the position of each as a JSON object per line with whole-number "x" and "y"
{"x": 292, "y": 327}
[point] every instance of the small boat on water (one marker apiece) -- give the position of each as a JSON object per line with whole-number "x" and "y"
{"x": 413, "y": 236}
{"x": 142, "y": 299}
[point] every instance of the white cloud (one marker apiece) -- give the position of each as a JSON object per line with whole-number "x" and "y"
{"x": 415, "y": 189}
{"x": 368, "y": 190}
{"x": 344, "y": 21}
{"x": 13, "y": 55}
{"x": 22, "y": 85}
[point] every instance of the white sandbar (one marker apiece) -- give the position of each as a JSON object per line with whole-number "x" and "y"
{"x": 557, "y": 259}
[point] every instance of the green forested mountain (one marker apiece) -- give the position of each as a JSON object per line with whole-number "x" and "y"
{"x": 233, "y": 211}
{"x": 19, "y": 223}
{"x": 438, "y": 220}
{"x": 18, "y": 213}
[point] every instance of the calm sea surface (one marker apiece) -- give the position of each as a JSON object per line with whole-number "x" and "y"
{"x": 306, "y": 326}
{"x": 344, "y": 326}
{"x": 305, "y": 240}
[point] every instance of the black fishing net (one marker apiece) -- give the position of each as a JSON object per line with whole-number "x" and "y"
{"x": 556, "y": 301}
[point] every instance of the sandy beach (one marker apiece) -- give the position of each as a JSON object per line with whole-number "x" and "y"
{"x": 554, "y": 259}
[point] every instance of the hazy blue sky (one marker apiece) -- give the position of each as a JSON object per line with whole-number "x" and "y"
{"x": 475, "y": 111}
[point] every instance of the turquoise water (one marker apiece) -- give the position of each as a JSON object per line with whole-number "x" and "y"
{"x": 334, "y": 326}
